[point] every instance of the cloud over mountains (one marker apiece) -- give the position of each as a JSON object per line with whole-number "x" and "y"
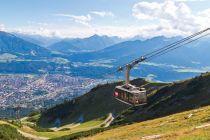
{"x": 175, "y": 17}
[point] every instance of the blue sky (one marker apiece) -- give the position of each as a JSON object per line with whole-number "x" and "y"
{"x": 124, "y": 18}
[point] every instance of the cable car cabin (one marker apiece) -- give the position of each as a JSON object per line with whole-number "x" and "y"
{"x": 131, "y": 95}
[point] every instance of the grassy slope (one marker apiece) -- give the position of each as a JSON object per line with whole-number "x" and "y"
{"x": 164, "y": 99}
{"x": 95, "y": 104}
{"x": 42, "y": 131}
{"x": 174, "y": 98}
{"x": 8, "y": 132}
{"x": 83, "y": 127}
{"x": 177, "y": 126}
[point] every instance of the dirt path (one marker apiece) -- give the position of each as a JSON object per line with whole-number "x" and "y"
{"x": 70, "y": 126}
{"x": 34, "y": 137}
{"x": 151, "y": 137}
{"x": 203, "y": 126}
{"x": 106, "y": 123}
{"x": 109, "y": 120}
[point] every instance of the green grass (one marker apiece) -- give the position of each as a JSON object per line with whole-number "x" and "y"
{"x": 27, "y": 125}
{"x": 92, "y": 123}
{"x": 33, "y": 119}
{"x": 177, "y": 126}
{"x": 83, "y": 127}
{"x": 8, "y": 132}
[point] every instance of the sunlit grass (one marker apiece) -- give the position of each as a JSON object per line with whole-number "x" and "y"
{"x": 178, "y": 126}
{"x": 83, "y": 127}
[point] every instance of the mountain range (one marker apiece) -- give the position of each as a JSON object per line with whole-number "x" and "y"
{"x": 96, "y": 56}
{"x": 11, "y": 44}
{"x": 184, "y": 62}
{"x": 92, "y": 43}
{"x": 20, "y": 56}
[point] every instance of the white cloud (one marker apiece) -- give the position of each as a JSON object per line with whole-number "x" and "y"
{"x": 103, "y": 13}
{"x": 151, "y": 77}
{"x": 84, "y": 20}
{"x": 173, "y": 18}
{"x": 205, "y": 13}
{"x": 2, "y": 27}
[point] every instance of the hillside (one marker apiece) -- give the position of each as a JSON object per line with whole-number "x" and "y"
{"x": 8, "y": 132}
{"x": 95, "y": 104}
{"x": 64, "y": 46}
{"x": 164, "y": 99}
{"x": 11, "y": 44}
{"x": 173, "y": 98}
{"x": 20, "y": 56}
{"x": 179, "y": 109}
{"x": 159, "y": 116}
{"x": 193, "y": 125}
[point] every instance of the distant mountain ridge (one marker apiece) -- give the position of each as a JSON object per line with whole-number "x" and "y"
{"x": 92, "y": 43}
{"x": 20, "y": 56}
{"x": 185, "y": 62}
{"x": 131, "y": 49}
{"x": 43, "y": 41}
{"x": 95, "y": 56}
{"x": 11, "y": 44}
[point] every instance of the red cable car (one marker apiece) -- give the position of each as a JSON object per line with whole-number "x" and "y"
{"x": 131, "y": 95}
{"x": 128, "y": 93}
